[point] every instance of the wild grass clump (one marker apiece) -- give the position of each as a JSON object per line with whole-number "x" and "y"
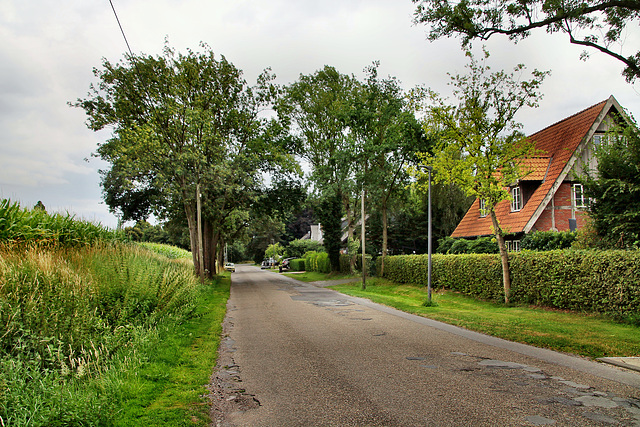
{"x": 169, "y": 251}
{"x": 72, "y": 320}
{"x": 36, "y": 227}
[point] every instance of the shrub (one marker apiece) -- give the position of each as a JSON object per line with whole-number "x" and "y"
{"x": 297, "y": 248}
{"x": 548, "y": 240}
{"x": 594, "y": 281}
{"x": 481, "y": 245}
{"x": 297, "y": 264}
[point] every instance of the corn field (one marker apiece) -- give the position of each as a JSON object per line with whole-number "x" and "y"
{"x": 21, "y": 225}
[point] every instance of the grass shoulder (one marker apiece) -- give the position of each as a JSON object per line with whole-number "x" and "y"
{"x": 314, "y": 276}
{"x": 582, "y": 334}
{"x": 168, "y": 388}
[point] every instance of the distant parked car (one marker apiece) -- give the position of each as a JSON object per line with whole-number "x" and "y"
{"x": 285, "y": 265}
{"x": 231, "y": 267}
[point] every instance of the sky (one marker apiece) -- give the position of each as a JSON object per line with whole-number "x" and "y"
{"x": 49, "y": 50}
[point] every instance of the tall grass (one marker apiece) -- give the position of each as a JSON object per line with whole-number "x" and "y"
{"x": 73, "y": 320}
{"x": 21, "y": 225}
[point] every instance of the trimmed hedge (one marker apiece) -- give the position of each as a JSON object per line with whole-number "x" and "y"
{"x": 297, "y": 264}
{"x": 594, "y": 281}
{"x": 317, "y": 261}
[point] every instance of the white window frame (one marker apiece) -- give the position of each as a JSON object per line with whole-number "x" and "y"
{"x": 516, "y": 199}
{"x": 512, "y": 245}
{"x": 483, "y": 208}
{"x": 578, "y": 202}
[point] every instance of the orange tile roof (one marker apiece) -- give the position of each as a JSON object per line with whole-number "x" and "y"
{"x": 535, "y": 168}
{"x": 558, "y": 143}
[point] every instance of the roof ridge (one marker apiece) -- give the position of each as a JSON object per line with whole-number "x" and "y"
{"x": 570, "y": 117}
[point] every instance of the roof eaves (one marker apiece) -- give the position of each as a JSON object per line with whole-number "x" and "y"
{"x": 611, "y": 102}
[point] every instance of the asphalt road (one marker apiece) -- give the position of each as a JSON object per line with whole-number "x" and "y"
{"x": 301, "y": 355}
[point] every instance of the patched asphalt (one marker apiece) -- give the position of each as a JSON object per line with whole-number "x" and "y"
{"x": 307, "y": 355}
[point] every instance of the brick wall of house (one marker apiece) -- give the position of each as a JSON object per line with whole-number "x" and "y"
{"x": 563, "y": 212}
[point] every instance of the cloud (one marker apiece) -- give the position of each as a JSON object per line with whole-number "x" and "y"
{"x": 49, "y": 51}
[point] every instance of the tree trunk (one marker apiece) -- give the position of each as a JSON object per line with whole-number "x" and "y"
{"x": 351, "y": 219}
{"x": 190, "y": 212}
{"x": 504, "y": 257}
{"x": 385, "y": 241}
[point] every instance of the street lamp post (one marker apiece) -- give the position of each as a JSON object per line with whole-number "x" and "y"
{"x": 430, "y": 169}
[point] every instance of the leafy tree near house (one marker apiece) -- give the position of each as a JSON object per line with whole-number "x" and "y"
{"x": 481, "y": 145}
{"x": 596, "y": 25}
{"x": 615, "y": 188}
{"x": 182, "y": 123}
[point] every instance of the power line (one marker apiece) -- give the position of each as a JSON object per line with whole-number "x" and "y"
{"x": 121, "y": 29}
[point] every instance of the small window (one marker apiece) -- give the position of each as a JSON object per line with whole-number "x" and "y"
{"x": 578, "y": 196}
{"x": 513, "y": 245}
{"x": 599, "y": 139}
{"x": 483, "y": 208}
{"x": 516, "y": 199}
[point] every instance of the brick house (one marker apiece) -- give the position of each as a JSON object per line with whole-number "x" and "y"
{"x": 549, "y": 198}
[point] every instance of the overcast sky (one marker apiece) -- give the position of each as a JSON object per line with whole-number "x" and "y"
{"x": 49, "y": 49}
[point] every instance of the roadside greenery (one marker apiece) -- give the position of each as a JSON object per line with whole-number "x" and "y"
{"x": 582, "y": 280}
{"x": 583, "y": 334}
{"x": 23, "y": 225}
{"x": 100, "y": 332}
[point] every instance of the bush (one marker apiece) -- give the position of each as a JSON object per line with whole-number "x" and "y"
{"x": 297, "y": 264}
{"x": 548, "y": 240}
{"x": 297, "y": 248}
{"x": 481, "y": 245}
{"x": 594, "y": 281}
{"x": 345, "y": 264}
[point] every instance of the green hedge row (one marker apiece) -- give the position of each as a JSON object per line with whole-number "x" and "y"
{"x": 317, "y": 261}
{"x": 594, "y": 281}
{"x": 297, "y": 264}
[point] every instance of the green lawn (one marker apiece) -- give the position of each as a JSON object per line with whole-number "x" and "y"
{"x": 583, "y": 334}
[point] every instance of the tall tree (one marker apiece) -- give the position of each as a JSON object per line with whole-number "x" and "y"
{"x": 319, "y": 106}
{"x": 597, "y": 25}
{"x": 389, "y": 135}
{"x": 481, "y": 145}
{"x": 614, "y": 189}
{"x": 182, "y": 122}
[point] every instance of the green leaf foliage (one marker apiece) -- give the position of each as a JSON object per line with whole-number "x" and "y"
{"x": 593, "y": 281}
{"x": 594, "y": 25}
{"x": 548, "y": 240}
{"x": 615, "y": 188}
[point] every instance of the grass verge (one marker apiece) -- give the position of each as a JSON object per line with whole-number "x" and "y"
{"x": 169, "y": 388}
{"x": 314, "y": 276}
{"x": 582, "y": 334}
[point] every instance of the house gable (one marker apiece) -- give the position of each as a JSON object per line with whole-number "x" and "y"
{"x": 561, "y": 145}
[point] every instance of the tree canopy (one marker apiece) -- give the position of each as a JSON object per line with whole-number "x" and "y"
{"x": 599, "y": 25}
{"x": 182, "y": 123}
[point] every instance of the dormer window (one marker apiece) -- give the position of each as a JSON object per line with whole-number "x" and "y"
{"x": 516, "y": 199}
{"x": 483, "y": 208}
